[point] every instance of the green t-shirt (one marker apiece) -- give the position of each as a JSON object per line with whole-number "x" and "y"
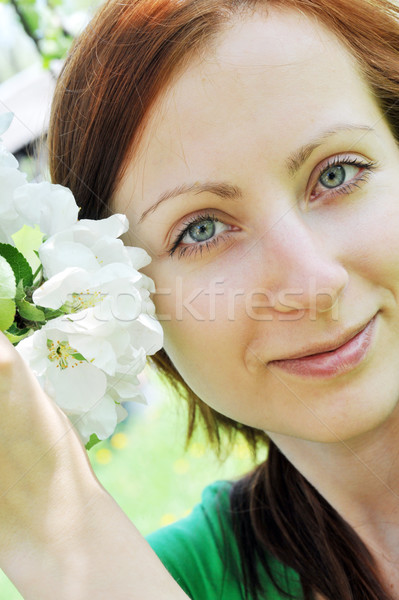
{"x": 201, "y": 553}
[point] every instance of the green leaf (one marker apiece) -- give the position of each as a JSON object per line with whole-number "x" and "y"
{"x": 78, "y": 356}
{"x": 30, "y": 312}
{"x": 14, "y": 338}
{"x": 52, "y": 313}
{"x": 28, "y": 241}
{"x": 7, "y": 313}
{"x": 92, "y": 441}
{"x": 15, "y": 329}
{"x": 18, "y": 263}
{"x": 20, "y": 293}
{"x": 8, "y": 285}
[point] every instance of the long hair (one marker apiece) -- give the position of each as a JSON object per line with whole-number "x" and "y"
{"x": 277, "y": 512}
{"x": 115, "y": 72}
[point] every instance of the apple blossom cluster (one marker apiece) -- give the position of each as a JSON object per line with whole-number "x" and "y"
{"x": 72, "y": 300}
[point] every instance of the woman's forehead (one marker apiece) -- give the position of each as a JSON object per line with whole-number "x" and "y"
{"x": 263, "y": 51}
{"x": 269, "y": 83}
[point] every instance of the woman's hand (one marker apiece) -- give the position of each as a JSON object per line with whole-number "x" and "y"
{"x": 61, "y": 534}
{"x": 40, "y": 455}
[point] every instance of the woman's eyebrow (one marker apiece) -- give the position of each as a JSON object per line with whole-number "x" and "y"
{"x": 300, "y": 156}
{"x": 231, "y": 192}
{"x": 223, "y": 190}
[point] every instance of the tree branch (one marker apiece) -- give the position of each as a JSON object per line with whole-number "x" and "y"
{"x": 25, "y": 25}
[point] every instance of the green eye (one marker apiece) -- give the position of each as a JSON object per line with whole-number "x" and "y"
{"x": 333, "y": 176}
{"x": 336, "y": 175}
{"x": 201, "y": 231}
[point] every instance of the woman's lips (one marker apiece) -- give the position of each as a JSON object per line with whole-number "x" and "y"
{"x": 335, "y": 362}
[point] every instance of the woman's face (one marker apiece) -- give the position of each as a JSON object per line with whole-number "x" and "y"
{"x": 266, "y": 189}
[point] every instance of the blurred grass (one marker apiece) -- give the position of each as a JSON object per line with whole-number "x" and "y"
{"x": 145, "y": 467}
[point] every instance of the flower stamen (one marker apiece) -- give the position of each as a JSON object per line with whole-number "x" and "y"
{"x": 63, "y": 354}
{"x": 83, "y": 300}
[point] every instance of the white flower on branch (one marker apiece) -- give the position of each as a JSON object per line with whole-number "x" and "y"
{"x": 81, "y": 314}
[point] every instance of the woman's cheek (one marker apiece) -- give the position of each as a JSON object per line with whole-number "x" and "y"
{"x": 373, "y": 242}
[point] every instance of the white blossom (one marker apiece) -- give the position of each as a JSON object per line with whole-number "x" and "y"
{"x": 90, "y": 321}
{"x": 90, "y": 245}
{"x": 52, "y": 207}
{"x": 89, "y": 370}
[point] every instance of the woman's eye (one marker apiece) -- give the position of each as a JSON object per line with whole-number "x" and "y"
{"x": 201, "y": 232}
{"x": 342, "y": 176}
{"x": 337, "y": 175}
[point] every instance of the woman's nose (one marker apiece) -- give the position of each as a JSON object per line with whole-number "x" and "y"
{"x": 302, "y": 272}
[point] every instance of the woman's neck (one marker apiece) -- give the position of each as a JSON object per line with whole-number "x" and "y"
{"x": 360, "y": 479}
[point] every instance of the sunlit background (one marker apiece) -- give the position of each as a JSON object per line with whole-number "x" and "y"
{"x": 144, "y": 465}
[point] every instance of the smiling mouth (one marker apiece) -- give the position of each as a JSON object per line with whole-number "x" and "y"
{"x": 331, "y": 359}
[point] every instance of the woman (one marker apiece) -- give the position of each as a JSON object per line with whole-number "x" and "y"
{"x": 253, "y": 146}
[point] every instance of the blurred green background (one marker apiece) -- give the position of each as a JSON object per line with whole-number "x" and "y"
{"x": 146, "y": 468}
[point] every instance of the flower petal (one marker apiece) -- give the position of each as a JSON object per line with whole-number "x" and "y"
{"x": 79, "y": 388}
{"x": 50, "y": 206}
{"x": 101, "y": 419}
